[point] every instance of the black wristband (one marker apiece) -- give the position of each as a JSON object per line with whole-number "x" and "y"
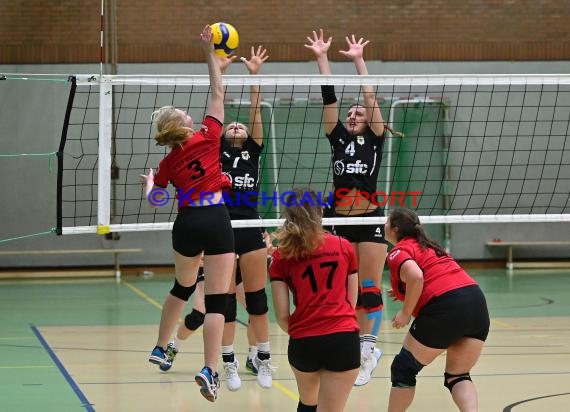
{"x": 328, "y": 95}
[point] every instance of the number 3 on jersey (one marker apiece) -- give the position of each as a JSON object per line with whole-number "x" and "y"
{"x": 310, "y": 273}
{"x": 196, "y": 166}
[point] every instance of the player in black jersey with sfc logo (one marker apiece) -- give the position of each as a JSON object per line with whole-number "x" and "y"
{"x": 356, "y": 155}
{"x": 240, "y": 155}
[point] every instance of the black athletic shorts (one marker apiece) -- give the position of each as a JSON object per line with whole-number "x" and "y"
{"x": 205, "y": 229}
{"x": 248, "y": 239}
{"x": 454, "y": 315}
{"x": 363, "y": 233}
{"x": 337, "y": 352}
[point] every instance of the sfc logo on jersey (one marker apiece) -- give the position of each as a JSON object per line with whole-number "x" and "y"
{"x": 245, "y": 155}
{"x": 229, "y": 176}
{"x": 338, "y": 167}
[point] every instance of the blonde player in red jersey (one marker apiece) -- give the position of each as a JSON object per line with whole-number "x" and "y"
{"x": 193, "y": 167}
{"x": 320, "y": 271}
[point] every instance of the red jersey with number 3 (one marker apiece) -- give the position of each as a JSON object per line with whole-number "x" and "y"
{"x": 194, "y": 168}
{"x": 441, "y": 273}
{"x": 319, "y": 288}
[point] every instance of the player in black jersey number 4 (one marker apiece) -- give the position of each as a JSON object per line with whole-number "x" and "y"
{"x": 356, "y": 155}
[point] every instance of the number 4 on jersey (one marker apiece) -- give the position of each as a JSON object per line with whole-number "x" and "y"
{"x": 350, "y": 149}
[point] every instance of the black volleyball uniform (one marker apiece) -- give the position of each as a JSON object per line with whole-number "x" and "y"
{"x": 356, "y": 163}
{"x": 241, "y": 166}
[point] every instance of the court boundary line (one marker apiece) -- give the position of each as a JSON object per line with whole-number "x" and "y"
{"x": 78, "y": 392}
{"x": 510, "y": 407}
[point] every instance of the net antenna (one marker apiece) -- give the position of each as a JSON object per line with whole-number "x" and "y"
{"x": 477, "y": 148}
{"x": 108, "y": 66}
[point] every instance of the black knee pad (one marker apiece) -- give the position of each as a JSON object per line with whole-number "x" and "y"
{"x": 216, "y": 303}
{"x": 256, "y": 302}
{"x": 458, "y": 378}
{"x": 404, "y": 370}
{"x": 370, "y": 299}
{"x": 194, "y": 319}
{"x": 231, "y": 308}
{"x": 301, "y": 407}
{"x": 182, "y": 292}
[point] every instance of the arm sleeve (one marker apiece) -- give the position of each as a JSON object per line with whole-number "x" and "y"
{"x": 161, "y": 178}
{"x": 252, "y": 146}
{"x": 211, "y": 128}
{"x": 350, "y": 256}
{"x": 276, "y": 271}
{"x": 396, "y": 259}
{"x": 338, "y": 132}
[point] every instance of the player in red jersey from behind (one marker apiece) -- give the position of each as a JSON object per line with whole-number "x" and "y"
{"x": 320, "y": 271}
{"x": 449, "y": 308}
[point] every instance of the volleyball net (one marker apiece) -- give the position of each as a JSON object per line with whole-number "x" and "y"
{"x": 480, "y": 148}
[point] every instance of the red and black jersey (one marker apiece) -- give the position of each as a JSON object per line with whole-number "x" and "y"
{"x": 318, "y": 284}
{"x": 356, "y": 158}
{"x": 441, "y": 273}
{"x": 241, "y": 166}
{"x": 194, "y": 168}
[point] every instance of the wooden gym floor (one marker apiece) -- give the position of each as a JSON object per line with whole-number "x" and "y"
{"x": 83, "y": 344}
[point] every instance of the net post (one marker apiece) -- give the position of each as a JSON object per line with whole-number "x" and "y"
{"x": 104, "y": 160}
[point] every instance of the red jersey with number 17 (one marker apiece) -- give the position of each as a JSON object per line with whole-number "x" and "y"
{"x": 318, "y": 284}
{"x": 194, "y": 167}
{"x": 441, "y": 273}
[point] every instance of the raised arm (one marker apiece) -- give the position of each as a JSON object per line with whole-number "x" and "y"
{"x": 215, "y": 106}
{"x": 320, "y": 47}
{"x": 258, "y": 57}
{"x": 373, "y": 114}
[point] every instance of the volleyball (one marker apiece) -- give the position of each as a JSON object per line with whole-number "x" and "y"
{"x": 225, "y": 38}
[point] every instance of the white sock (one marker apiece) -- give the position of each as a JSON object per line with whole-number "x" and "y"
{"x": 252, "y": 352}
{"x": 227, "y": 350}
{"x": 228, "y": 353}
{"x": 368, "y": 343}
{"x": 263, "y": 350}
{"x": 263, "y": 347}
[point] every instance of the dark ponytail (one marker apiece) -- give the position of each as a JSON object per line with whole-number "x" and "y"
{"x": 408, "y": 225}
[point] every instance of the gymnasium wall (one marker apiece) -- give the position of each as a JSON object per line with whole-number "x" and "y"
{"x": 154, "y": 31}
{"x": 157, "y": 37}
{"x": 31, "y": 117}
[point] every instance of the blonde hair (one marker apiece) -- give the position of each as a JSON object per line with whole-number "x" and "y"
{"x": 170, "y": 127}
{"x": 302, "y": 233}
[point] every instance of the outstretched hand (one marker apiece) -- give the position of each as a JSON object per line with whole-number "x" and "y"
{"x": 225, "y": 61}
{"x": 318, "y": 44}
{"x": 206, "y": 38}
{"x": 256, "y": 60}
{"x": 355, "y": 48}
{"x": 146, "y": 179}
